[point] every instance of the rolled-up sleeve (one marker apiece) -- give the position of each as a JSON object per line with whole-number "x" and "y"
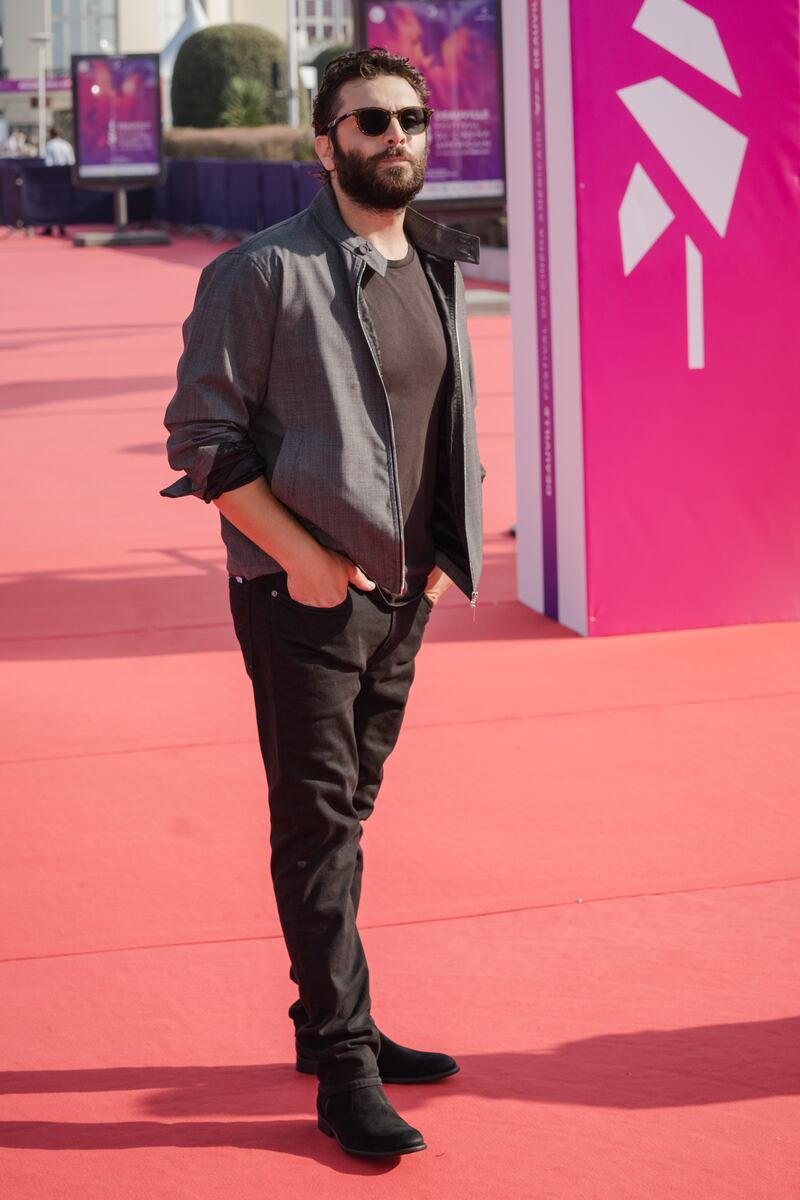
{"x": 222, "y": 379}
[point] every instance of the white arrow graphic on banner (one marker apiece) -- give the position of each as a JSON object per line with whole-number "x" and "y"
{"x": 704, "y": 152}
{"x": 690, "y": 35}
{"x": 643, "y": 216}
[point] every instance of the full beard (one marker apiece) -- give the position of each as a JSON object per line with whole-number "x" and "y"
{"x": 372, "y": 185}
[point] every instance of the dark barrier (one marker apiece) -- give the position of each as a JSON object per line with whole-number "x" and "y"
{"x": 245, "y": 195}
{"x": 235, "y": 195}
{"x": 279, "y": 192}
{"x": 161, "y": 201}
{"x": 141, "y": 205}
{"x": 47, "y": 197}
{"x": 307, "y": 184}
{"x": 9, "y": 192}
{"x": 211, "y": 185}
{"x": 182, "y": 191}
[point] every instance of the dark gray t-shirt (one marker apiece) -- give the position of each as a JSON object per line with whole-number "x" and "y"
{"x": 413, "y": 364}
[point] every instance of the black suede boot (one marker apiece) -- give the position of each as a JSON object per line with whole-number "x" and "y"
{"x": 363, "y": 1122}
{"x": 399, "y": 1064}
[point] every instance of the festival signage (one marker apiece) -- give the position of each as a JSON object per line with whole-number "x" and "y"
{"x": 117, "y": 104}
{"x": 456, "y": 45}
{"x": 655, "y": 274}
{"x": 53, "y": 83}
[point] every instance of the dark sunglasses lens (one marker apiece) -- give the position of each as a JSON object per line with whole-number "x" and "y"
{"x": 373, "y": 121}
{"x": 413, "y": 120}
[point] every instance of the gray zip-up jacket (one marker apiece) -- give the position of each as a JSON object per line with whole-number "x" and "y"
{"x": 281, "y": 361}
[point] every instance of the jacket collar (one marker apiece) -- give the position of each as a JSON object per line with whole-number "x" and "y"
{"x": 426, "y": 235}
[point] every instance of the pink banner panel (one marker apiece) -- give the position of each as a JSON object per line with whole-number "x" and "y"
{"x": 687, "y": 122}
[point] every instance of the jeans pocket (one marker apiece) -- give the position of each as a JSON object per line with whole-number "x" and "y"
{"x": 280, "y": 592}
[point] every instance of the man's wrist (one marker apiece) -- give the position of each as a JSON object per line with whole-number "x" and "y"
{"x": 307, "y": 556}
{"x": 437, "y": 584}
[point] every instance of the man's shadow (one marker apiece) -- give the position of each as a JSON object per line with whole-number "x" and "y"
{"x": 188, "y": 1091}
{"x": 648, "y": 1069}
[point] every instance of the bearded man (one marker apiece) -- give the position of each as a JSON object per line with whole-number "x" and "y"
{"x": 325, "y": 406}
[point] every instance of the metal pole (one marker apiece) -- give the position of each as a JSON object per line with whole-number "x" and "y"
{"x": 120, "y": 208}
{"x": 291, "y": 83}
{"x": 42, "y": 48}
{"x": 48, "y": 30}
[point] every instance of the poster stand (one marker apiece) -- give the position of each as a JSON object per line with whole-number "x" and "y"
{"x": 118, "y": 144}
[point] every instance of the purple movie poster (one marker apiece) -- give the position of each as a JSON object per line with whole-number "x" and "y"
{"x": 118, "y": 121}
{"x": 455, "y": 45}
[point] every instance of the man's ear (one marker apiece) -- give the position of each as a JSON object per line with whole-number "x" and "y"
{"x": 324, "y": 149}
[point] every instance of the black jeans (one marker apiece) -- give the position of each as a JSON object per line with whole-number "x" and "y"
{"x": 330, "y": 689}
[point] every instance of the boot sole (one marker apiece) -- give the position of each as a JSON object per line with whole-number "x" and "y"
{"x": 327, "y": 1129}
{"x": 307, "y": 1066}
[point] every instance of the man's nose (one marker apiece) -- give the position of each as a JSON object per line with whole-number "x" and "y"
{"x": 395, "y": 133}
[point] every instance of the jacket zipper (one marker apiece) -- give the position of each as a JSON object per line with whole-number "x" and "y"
{"x": 392, "y": 445}
{"x": 474, "y": 597}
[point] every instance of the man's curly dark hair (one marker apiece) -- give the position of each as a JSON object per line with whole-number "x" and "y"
{"x": 361, "y": 64}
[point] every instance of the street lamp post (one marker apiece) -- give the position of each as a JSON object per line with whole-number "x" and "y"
{"x": 42, "y": 41}
{"x": 294, "y": 99}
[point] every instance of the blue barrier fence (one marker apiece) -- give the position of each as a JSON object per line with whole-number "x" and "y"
{"x": 245, "y": 203}
{"x": 9, "y": 200}
{"x": 220, "y": 194}
{"x": 182, "y": 207}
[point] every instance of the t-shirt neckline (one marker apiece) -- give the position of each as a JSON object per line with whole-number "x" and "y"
{"x": 405, "y": 260}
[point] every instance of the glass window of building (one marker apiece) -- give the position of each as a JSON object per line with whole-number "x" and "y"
{"x": 82, "y": 27}
{"x": 327, "y": 20}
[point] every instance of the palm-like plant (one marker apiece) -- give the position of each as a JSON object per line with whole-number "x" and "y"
{"x": 244, "y": 102}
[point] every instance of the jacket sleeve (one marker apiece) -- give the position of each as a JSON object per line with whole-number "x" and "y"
{"x": 222, "y": 378}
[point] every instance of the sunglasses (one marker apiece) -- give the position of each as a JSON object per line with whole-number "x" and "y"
{"x": 375, "y": 121}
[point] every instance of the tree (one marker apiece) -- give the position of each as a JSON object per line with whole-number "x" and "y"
{"x": 211, "y": 59}
{"x": 326, "y": 56}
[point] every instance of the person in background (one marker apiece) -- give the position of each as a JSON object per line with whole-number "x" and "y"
{"x": 57, "y": 153}
{"x": 16, "y": 146}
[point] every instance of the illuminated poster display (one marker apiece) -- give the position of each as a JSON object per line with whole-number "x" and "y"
{"x": 455, "y": 43}
{"x": 117, "y": 118}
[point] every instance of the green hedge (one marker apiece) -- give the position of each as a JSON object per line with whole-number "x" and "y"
{"x": 210, "y": 59}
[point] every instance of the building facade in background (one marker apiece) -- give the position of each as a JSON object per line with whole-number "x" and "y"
{"x": 79, "y": 27}
{"x": 125, "y": 27}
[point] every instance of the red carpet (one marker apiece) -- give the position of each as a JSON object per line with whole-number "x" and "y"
{"x": 582, "y": 875}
